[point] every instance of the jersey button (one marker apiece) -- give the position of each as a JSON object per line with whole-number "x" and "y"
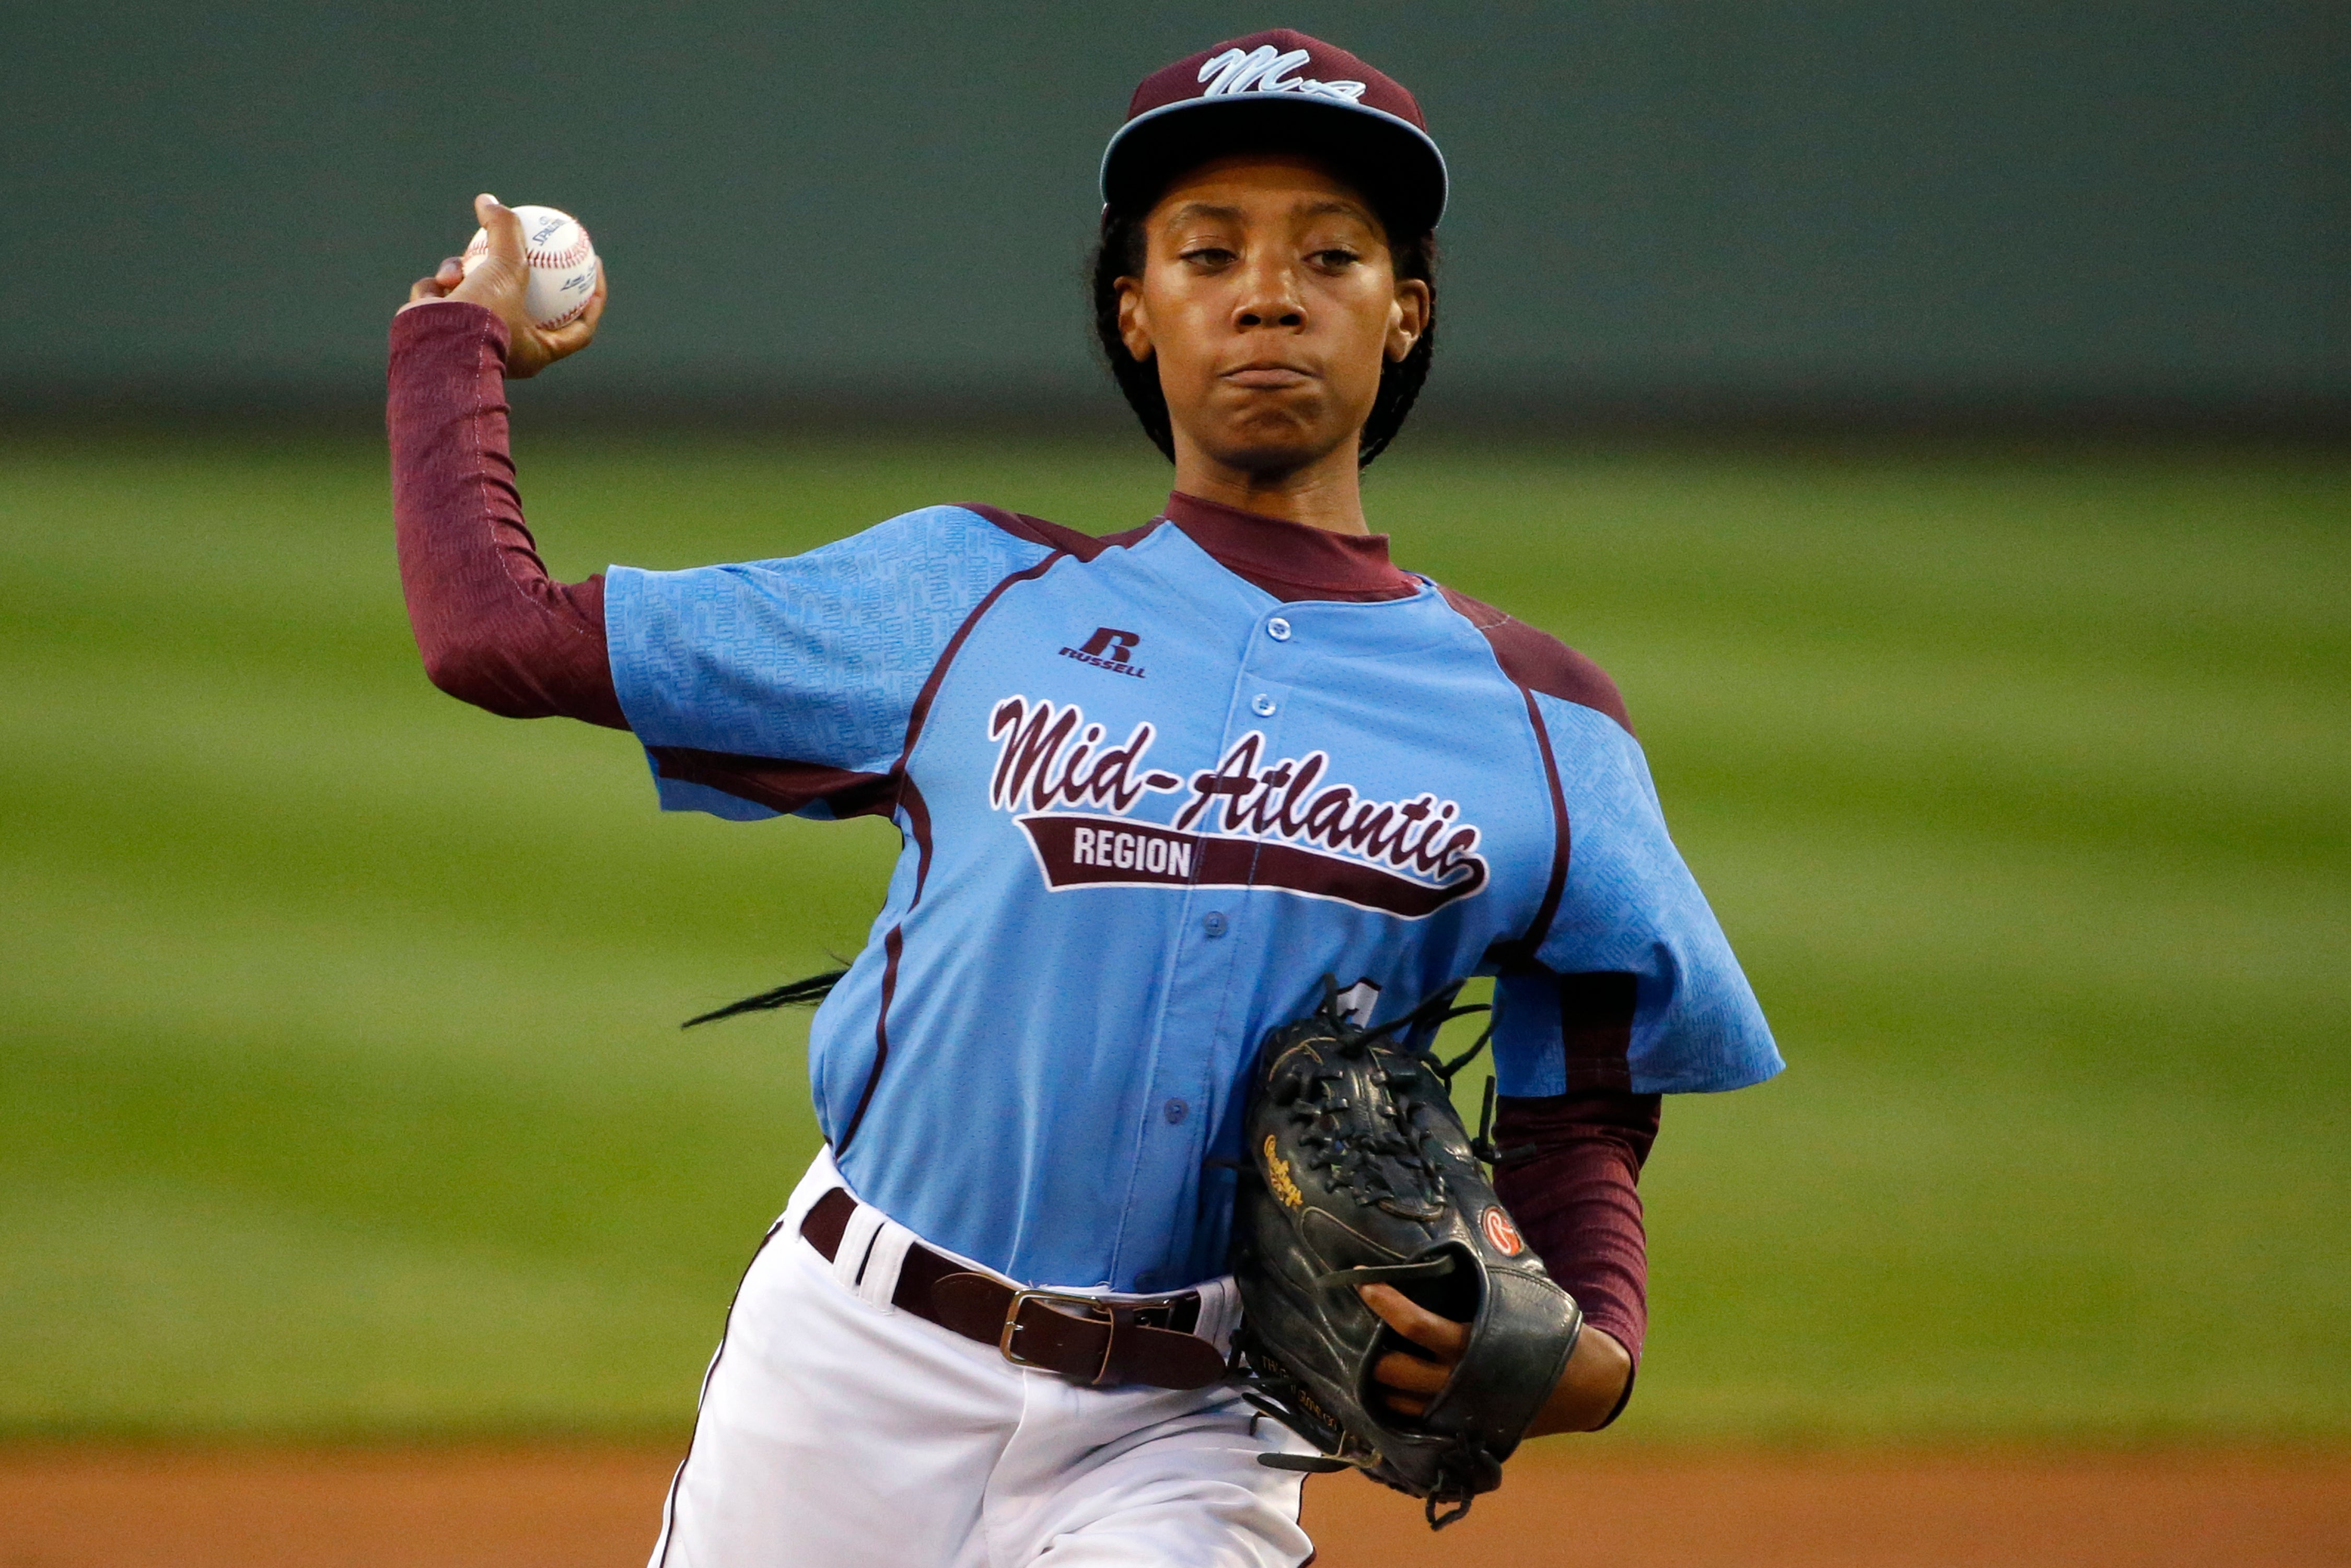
{"x": 1278, "y": 628}
{"x": 1176, "y": 1111}
{"x": 1212, "y": 924}
{"x": 1262, "y": 705}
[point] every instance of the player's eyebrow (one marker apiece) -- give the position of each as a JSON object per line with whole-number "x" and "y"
{"x": 1332, "y": 206}
{"x": 1191, "y": 210}
{"x": 1328, "y": 206}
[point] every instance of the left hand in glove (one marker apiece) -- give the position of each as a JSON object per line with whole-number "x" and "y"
{"x": 1588, "y": 1388}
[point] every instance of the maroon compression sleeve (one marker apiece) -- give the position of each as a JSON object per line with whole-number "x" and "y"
{"x": 493, "y": 628}
{"x": 1571, "y": 1184}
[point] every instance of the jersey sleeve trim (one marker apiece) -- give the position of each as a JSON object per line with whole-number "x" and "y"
{"x": 780, "y": 786}
{"x": 1563, "y": 835}
{"x": 1541, "y": 662}
{"x": 1037, "y": 531}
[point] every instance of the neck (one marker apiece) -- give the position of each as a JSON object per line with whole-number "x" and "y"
{"x": 1327, "y": 492}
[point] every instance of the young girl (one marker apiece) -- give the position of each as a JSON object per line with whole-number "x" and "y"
{"x": 1152, "y": 788}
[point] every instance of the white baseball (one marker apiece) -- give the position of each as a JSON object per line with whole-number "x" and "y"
{"x": 562, "y": 265}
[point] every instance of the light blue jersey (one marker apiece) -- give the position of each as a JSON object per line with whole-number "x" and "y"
{"x": 1147, "y": 804}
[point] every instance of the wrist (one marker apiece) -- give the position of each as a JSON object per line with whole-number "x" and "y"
{"x": 451, "y": 334}
{"x": 1590, "y": 1387}
{"x": 451, "y": 315}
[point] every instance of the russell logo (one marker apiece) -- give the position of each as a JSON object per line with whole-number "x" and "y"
{"x": 1109, "y": 649}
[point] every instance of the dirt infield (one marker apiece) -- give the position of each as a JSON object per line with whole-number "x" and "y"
{"x": 587, "y": 1507}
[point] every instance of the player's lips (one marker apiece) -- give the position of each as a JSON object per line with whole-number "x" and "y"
{"x": 1269, "y": 373}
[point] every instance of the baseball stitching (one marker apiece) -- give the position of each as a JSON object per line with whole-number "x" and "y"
{"x": 550, "y": 260}
{"x": 554, "y": 259}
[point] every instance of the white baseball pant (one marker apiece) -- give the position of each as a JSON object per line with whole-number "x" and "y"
{"x": 837, "y": 1431}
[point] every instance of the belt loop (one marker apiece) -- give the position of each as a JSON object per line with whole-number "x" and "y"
{"x": 850, "y": 1260}
{"x": 891, "y": 1243}
{"x": 1220, "y": 1311}
{"x": 1121, "y": 1326}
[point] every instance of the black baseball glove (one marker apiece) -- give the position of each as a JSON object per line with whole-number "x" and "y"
{"x": 1357, "y": 1171}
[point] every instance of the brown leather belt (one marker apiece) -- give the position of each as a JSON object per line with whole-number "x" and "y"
{"x": 1094, "y": 1342}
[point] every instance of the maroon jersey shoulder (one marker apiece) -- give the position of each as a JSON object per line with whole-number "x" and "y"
{"x": 1541, "y": 662}
{"x": 1052, "y": 535}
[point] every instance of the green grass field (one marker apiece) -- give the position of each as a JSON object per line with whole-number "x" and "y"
{"x": 341, "y": 1088}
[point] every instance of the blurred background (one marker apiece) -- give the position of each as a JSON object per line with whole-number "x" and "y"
{"x": 1844, "y": 212}
{"x": 1934, "y": 416}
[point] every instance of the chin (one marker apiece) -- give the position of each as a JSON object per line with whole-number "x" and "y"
{"x": 1272, "y": 441}
{"x": 1271, "y": 457}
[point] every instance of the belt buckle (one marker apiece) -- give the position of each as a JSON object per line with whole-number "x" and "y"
{"x": 1095, "y": 1311}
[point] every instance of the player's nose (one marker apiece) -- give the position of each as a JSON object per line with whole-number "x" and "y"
{"x": 1270, "y": 294}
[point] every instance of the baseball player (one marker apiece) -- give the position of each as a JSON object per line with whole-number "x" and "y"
{"x": 1152, "y": 788}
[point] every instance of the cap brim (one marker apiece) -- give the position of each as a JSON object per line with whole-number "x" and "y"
{"x": 1393, "y": 160}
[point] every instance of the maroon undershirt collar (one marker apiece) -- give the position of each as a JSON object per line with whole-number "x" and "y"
{"x": 1291, "y": 560}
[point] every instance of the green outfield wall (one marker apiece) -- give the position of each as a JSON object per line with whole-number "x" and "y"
{"x": 1706, "y": 203}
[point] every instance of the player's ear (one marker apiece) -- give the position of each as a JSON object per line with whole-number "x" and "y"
{"x": 1133, "y": 320}
{"x": 1407, "y": 318}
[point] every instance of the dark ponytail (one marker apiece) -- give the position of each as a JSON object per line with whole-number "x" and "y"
{"x": 804, "y": 993}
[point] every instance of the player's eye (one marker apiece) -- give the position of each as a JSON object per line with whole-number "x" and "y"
{"x": 1334, "y": 258}
{"x": 1209, "y": 255}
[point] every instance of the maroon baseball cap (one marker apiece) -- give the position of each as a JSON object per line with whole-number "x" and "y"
{"x": 1282, "y": 91}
